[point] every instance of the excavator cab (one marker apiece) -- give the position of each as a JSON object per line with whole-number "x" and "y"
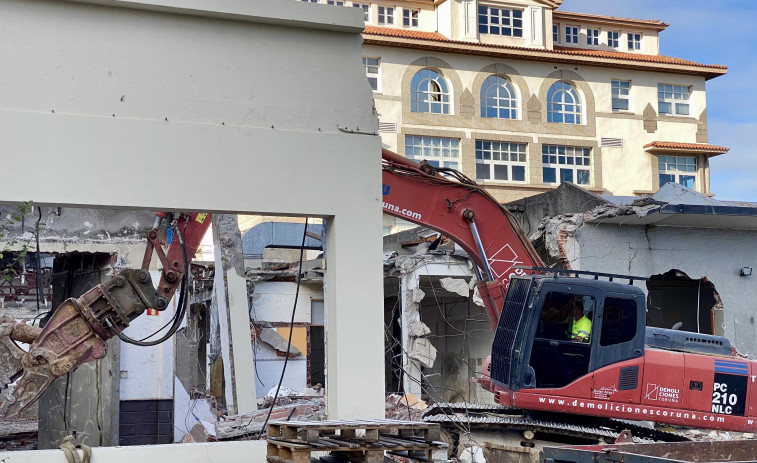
{"x": 555, "y": 330}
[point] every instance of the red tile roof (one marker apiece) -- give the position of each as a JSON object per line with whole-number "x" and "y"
{"x": 438, "y": 41}
{"x": 696, "y": 147}
{"x": 407, "y": 33}
{"x": 633, "y": 56}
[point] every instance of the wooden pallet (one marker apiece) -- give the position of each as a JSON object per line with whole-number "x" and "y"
{"x": 355, "y": 441}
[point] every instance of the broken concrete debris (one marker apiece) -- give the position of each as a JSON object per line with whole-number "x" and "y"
{"x": 456, "y": 285}
{"x": 248, "y": 425}
{"x": 404, "y": 407}
{"x": 272, "y": 337}
{"x": 423, "y": 351}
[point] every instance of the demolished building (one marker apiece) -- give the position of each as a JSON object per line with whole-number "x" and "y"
{"x": 697, "y": 251}
{"x": 437, "y": 331}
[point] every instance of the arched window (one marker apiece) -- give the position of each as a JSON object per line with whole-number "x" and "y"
{"x": 563, "y": 104}
{"x": 498, "y": 98}
{"x": 429, "y": 93}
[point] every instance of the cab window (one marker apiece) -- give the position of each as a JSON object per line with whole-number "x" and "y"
{"x": 619, "y": 321}
{"x": 560, "y": 311}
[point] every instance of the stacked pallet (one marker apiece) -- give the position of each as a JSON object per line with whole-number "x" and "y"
{"x": 355, "y": 441}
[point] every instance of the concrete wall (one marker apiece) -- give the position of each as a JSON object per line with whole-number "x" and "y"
{"x": 117, "y": 105}
{"x": 272, "y": 301}
{"x": 713, "y": 253}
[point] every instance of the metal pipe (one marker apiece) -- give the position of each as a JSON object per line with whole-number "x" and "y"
{"x": 477, "y": 271}
{"x": 481, "y": 252}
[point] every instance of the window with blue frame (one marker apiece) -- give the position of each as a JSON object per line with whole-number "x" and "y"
{"x": 592, "y": 36}
{"x": 500, "y": 21}
{"x": 563, "y": 104}
{"x": 678, "y": 169}
{"x": 498, "y": 98}
{"x": 613, "y": 39}
{"x": 571, "y": 34}
{"x": 566, "y": 164}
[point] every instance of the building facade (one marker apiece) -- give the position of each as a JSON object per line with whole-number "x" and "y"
{"x": 522, "y": 96}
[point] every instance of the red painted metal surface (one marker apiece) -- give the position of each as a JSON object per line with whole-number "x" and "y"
{"x": 664, "y": 393}
{"x": 192, "y": 227}
{"x": 437, "y": 202}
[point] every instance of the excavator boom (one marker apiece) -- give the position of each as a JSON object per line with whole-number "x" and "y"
{"x": 452, "y": 204}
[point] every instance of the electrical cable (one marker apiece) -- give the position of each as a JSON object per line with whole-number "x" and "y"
{"x": 178, "y": 316}
{"x": 291, "y": 330}
{"x": 37, "y": 288}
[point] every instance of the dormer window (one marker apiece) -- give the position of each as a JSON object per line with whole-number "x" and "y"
{"x": 613, "y": 38}
{"x": 571, "y": 34}
{"x": 500, "y": 21}
{"x": 386, "y": 15}
{"x": 592, "y": 36}
{"x": 366, "y": 10}
{"x": 410, "y": 17}
{"x": 556, "y": 33}
{"x": 634, "y": 41}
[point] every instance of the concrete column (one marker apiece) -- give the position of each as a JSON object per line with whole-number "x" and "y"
{"x": 354, "y": 319}
{"x": 411, "y": 378}
{"x": 231, "y": 299}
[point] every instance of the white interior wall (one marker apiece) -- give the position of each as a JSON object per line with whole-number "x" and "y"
{"x": 268, "y": 371}
{"x": 272, "y": 301}
{"x": 194, "y": 106}
{"x": 147, "y": 372}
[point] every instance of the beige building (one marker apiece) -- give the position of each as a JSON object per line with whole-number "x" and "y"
{"x": 521, "y": 96}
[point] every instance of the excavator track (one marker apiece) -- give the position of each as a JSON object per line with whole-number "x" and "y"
{"x": 470, "y": 417}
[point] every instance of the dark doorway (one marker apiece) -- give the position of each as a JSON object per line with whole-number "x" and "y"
{"x": 317, "y": 356}
{"x": 317, "y": 344}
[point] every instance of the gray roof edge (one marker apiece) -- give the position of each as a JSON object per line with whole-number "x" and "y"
{"x": 291, "y": 14}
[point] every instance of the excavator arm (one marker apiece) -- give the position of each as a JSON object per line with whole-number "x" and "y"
{"x": 78, "y": 328}
{"x": 452, "y": 204}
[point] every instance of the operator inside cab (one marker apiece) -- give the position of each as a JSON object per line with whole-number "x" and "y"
{"x": 581, "y": 328}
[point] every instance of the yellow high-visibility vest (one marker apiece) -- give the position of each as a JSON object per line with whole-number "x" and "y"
{"x": 581, "y": 328}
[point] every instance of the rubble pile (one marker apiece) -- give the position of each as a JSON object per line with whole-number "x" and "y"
{"x": 404, "y": 407}
{"x": 288, "y": 408}
{"x": 714, "y": 435}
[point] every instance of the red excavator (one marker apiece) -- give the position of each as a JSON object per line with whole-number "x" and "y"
{"x": 616, "y": 368}
{"x": 621, "y": 370}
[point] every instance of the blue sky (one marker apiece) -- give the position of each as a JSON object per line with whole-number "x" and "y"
{"x": 710, "y": 32}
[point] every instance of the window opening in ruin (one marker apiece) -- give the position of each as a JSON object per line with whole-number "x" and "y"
{"x": 676, "y": 300}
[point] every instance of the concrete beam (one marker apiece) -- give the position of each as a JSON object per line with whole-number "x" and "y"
{"x": 226, "y": 452}
{"x": 279, "y": 12}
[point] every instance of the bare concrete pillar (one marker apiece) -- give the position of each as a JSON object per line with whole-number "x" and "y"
{"x": 355, "y": 319}
{"x": 410, "y": 316}
{"x": 233, "y": 314}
